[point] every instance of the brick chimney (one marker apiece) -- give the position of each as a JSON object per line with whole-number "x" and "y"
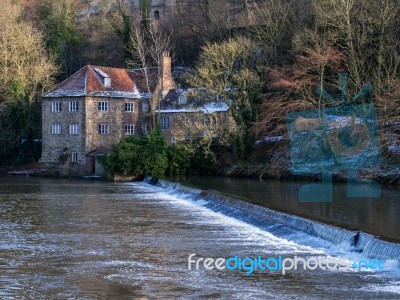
{"x": 168, "y": 82}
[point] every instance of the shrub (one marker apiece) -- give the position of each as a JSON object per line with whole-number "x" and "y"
{"x": 179, "y": 157}
{"x": 146, "y": 155}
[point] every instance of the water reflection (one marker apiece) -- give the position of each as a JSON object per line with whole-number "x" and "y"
{"x": 378, "y": 216}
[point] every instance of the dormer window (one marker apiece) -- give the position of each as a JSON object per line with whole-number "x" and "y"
{"x": 104, "y": 77}
{"x": 181, "y": 99}
{"x": 107, "y": 82}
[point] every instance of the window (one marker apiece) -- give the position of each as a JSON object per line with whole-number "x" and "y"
{"x": 103, "y": 105}
{"x": 129, "y": 129}
{"x": 73, "y": 105}
{"x": 181, "y": 99}
{"x": 157, "y": 15}
{"x": 73, "y": 128}
{"x": 56, "y": 128}
{"x": 56, "y": 106}
{"x": 129, "y": 107}
{"x": 107, "y": 82}
{"x": 165, "y": 123}
{"x": 74, "y": 156}
{"x": 104, "y": 129}
{"x": 173, "y": 140}
{"x": 145, "y": 107}
{"x": 104, "y": 77}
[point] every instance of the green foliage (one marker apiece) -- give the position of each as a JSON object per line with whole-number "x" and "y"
{"x": 148, "y": 155}
{"x": 145, "y": 8}
{"x": 123, "y": 29}
{"x": 124, "y": 156}
{"x": 230, "y": 68}
{"x": 154, "y": 156}
{"x": 57, "y": 22}
{"x": 145, "y": 155}
{"x": 179, "y": 157}
{"x": 203, "y": 162}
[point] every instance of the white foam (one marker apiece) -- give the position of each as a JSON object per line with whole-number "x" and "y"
{"x": 246, "y": 230}
{"x": 388, "y": 288}
{"x": 317, "y": 246}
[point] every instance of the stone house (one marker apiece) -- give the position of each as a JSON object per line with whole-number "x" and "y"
{"x": 85, "y": 115}
{"x": 186, "y": 115}
{"x": 89, "y": 112}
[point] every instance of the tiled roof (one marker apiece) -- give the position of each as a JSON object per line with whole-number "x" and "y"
{"x": 196, "y": 100}
{"x": 90, "y": 81}
{"x": 145, "y": 87}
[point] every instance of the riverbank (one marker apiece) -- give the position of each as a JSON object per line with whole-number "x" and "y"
{"x": 384, "y": 174}
{"x": 280, "y": 168}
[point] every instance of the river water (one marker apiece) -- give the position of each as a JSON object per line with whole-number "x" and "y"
{"x": 378, "y": 216}
{"x": 70, "y": 239}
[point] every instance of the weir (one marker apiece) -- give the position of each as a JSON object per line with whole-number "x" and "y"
{"x": 282, "y": 224}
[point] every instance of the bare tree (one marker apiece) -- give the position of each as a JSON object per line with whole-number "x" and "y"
{"x": 271, "y": 25}
{"x": 228, "y": 70}
{"x": 367, "y": 31}
{"x": 292, "y": 88}
{"x": 202, "y": 128}
{"x": 23, "y": 58}
{"x": 148, "y": 43}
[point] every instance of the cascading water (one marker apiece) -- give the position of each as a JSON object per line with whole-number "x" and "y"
{"x": 282, "y": 224}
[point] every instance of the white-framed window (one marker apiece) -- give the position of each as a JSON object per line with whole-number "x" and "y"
{"x": 129, "y": 129}
{"x": 107, "y": 82}
{"x": 173, "y": 140}
{"x": 129, "y": 107}
{"x": 103, "y": 105}
{"x": 145, "y": 107}
{"x": 56, "y": 128}
{"x": 104, "y": 129}
{"x": 73, "y": 106}
{"x": 73, "y": 128}
{"x": 164, "y": 122}
{"x": 74, "y": 156}
{"x": 56, "y": 106}
{"x": 104, "y": 77}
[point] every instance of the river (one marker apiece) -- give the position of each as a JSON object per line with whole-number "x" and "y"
{"x": 72, "y": 239}
{"x": 378, "y": 216}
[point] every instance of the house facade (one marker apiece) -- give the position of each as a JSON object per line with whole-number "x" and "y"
{"x": 186, "y": 115}
{"x": 85, "y": 115}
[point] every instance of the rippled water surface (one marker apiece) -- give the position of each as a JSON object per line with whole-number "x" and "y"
{"x": 65, "y": 239}
{"x": 377, "y": 216}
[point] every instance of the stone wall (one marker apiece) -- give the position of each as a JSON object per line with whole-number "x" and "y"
{"x": 115, "y": 117}
{"x": 58, "y": 147}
